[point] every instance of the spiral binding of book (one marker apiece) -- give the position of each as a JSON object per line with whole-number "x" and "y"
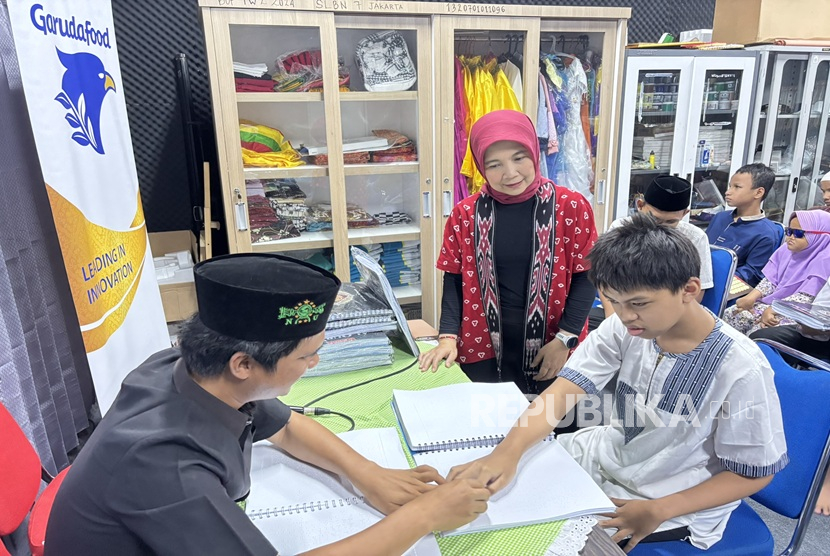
{"x": 305, "y": 507}
{"x": 468, "y": 443}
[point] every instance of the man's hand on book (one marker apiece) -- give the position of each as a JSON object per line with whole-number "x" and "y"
{"x": 494, "y": 471}
{"x": 389, "y": 489}
{"x": 454, "y": 504}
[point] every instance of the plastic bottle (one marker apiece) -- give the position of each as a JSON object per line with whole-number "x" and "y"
{"x": 651, "y": 160}
{"x": 705, "y": 154}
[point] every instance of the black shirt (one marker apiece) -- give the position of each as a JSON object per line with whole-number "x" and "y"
{"x": 513, "y": 253}
{"x": 163, "y": 471}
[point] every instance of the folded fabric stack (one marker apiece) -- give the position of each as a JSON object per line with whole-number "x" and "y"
{"x": 252, "y": 78}
{"x": 402, "y": 263}
{"x": 302, "y": 71}
{"x": 360, "y": 157}
{"x": 374, "y": 251}
{"x": 288, "y": 201}
{"x": 266, "y": 147}
{"x": 263, "y": 221}
{"x": 393, "y": 217}
{"x": 401, "y": 148}
{"x": 319, "y": 217}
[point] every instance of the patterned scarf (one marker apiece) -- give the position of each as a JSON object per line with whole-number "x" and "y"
{"x": 540, "y": 274}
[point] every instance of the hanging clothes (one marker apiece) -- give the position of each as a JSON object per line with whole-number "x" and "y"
{"x": 461, "y": 117}
{"x": 514, "y": 77}
{"x": 490, "y": 90}
{"x": 575, "y": 150}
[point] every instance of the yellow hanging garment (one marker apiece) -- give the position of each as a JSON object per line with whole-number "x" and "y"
{"x": 505, "y": 95}
{"x": 481, "y": 103}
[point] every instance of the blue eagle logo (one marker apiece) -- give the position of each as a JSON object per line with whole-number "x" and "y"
{"x": 85, "y": 83}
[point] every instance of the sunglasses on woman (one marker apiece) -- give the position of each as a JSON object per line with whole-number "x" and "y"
{"x": 799, "y": 234}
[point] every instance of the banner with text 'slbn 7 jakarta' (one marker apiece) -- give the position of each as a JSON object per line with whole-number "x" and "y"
{"x": 72, "y": 81}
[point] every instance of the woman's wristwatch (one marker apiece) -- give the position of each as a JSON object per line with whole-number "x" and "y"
{"x": 569, "y": 340}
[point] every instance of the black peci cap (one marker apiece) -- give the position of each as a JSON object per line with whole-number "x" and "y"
{"x": 669, "y": 193}
{"x": 264, "y": 297}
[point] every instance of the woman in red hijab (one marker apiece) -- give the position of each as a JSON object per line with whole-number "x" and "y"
{"x": 516, "y": 293}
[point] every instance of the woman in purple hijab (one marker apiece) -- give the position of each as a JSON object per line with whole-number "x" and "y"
{"x": 795, "y": 272}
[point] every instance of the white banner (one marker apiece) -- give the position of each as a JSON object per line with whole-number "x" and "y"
{"x": 72, "y": 80}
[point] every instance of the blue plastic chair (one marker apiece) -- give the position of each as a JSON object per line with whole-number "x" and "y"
{"x": 724, "y": 262}
{"x": 793, "y": 491}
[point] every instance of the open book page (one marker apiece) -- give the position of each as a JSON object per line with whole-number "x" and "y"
{"x": 806, "y": 314}
{"x": 299, "y": 507}
{"x": 458, "y": 415}
{"x": 549, "y": 486}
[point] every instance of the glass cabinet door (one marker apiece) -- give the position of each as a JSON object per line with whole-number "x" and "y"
{"x": 653, "y": 136}
{"x": 780, "y": 119}
{"x": 386, "y": 132}
{"x": 719, "y": 118}
{"x": 274, "y": 71}
{"x": 594, "y": 46}
{"x": 815, "y": 160}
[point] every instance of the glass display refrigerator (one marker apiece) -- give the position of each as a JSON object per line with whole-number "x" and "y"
{"x": 789, "y": 129}
{"x": 685, "y": 113}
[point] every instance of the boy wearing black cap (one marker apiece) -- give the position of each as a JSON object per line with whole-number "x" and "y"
{"x": 667, "y": 199}
{"x": 167, "y": 469}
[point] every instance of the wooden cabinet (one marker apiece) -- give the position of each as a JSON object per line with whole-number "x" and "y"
{"x": 417, "y": 192}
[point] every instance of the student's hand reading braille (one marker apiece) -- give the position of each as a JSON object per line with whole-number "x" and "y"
{"x": 389, "y": 489}
{"x": 493, "y": 471}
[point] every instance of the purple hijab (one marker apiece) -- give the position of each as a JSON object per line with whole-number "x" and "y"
{"x": 806, "y": 271}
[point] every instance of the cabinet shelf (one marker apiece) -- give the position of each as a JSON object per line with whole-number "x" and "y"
{"x": 407, "y": 294}
{"x": 374, "y": 168}
{"x": 650, "y": 171}
{"x": 785, "y": 116}
{"x": 279, "y": 97}
{"x": 380, "y": 96}
{"x": 719, "y": 112}
{"x": 384, "y": 234}
{"x": 308, "y": 240}
{"x": 306, "y": 171}
{"x": 311, "y": 171}
{"x": 357, "y": 236}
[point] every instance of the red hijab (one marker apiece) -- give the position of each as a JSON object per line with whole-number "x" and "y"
{"x": 505, "y": 125}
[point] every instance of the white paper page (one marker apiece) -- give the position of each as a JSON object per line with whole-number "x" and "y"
{"x": 299, "y": 507}
{"x": 549, "y": 486}
{"x": 458, "y": 412}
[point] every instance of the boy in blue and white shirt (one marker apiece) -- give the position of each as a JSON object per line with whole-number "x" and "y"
{"x": 697, "y": 419}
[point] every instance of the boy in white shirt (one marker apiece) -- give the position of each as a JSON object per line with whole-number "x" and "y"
{"x": 697, "y": 420}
